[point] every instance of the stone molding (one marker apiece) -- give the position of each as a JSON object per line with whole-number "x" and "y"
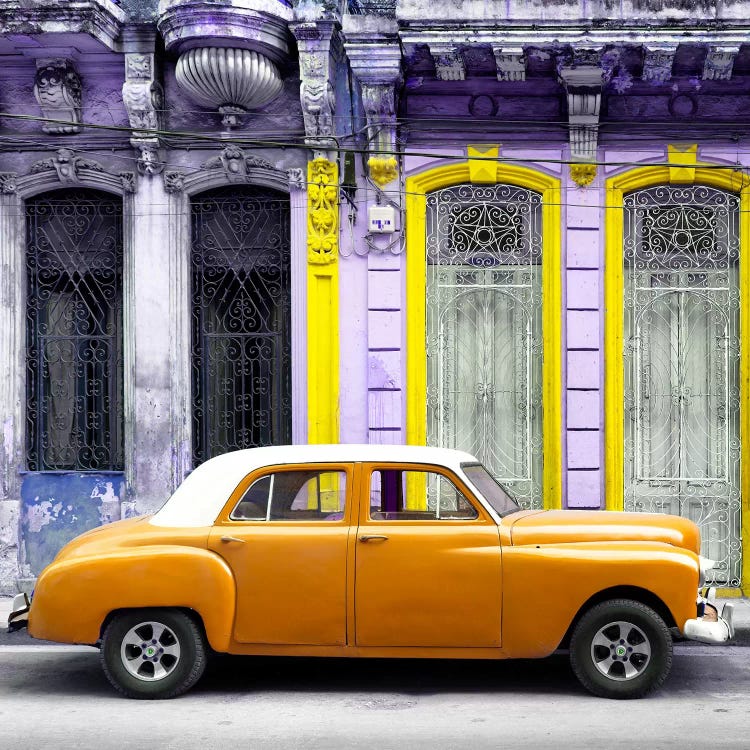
{"x": 322, "y": 212}
{"x": 510, "y": 62}
{"x": 230, "y": 167}
{"x": 67, "y": 169}
{"x": 57, "y": 89}
{"x": 260, "y": 25}
{"x": 719, "y": 63}
{"x": 101, "y": 19}
{"x": 657, "y": 63}
{"x": 583, "y": 87}
{"x": 320, "y": 52}
{"x": 449, "y": 63}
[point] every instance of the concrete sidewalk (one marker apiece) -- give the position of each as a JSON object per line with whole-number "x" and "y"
{"x": 741, "y": 617}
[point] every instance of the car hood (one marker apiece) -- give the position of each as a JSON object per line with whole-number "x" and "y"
{"x": 567, "y": 526}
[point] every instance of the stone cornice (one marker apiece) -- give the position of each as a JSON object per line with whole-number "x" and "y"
{"x": 101, "y": 19}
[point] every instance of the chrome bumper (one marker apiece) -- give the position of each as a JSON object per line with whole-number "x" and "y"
{"x": 711, "y": 626}
{"x": 19, "y": 615}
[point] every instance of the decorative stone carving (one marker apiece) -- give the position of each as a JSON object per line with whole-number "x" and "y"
{"x": 297, "y": 180}
{"x": 8, "y": 182}
{"x": 149, "y": 161}
{"x": 236, "y": 163}
{"x": 319, "y": 51}
{"x": 142, "y": 95}
{"x": 449, "y": 64}
{"x": 67, "y": 165}
{"x": 383, "y": 169}
{"x": 57, "y": 89}
{"x": 657, "y": 63}
{"x": 719, "y": 63}
{"x": 174, "y": 181}
{"x": 232, "y": 80}
{"x": 375, "y": 59}
{"x": 128, "y": 181}
{"x": 583, "y": 85}
{"x": 582, "y": 174}
{"x": 322, "y": 212}
{"x": 510, "y": 62}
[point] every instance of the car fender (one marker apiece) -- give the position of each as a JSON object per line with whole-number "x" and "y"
{"x": 74, "y": 596}
{"x": 546, "y": 586}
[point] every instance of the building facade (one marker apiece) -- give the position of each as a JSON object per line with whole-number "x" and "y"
{"x": 518, "y": 229}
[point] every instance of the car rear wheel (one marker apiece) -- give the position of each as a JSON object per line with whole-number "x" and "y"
{"x": 621, "y": 649}
{"x": 153, "y": 653}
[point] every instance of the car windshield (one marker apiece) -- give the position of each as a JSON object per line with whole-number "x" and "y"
{"x": 493, "y": 492}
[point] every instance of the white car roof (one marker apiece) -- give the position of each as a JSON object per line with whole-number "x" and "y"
{"x": 198, "y": 500}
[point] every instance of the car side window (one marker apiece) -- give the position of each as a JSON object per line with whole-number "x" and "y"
{"x": 294, "y": 496}
{"x": 399, "y": 495}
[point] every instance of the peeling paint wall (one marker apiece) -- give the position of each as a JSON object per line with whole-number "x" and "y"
{"x": 55, "y": 508}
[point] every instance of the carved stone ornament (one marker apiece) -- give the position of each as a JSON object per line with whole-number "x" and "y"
{"x": 233, "y": 81}
{"x": 174, "y": 181}
{"x": 449, "y": 64}
{"x": 297, "y": 180}
{"x": 67, "y": 165}
{"x": 719, "y": 63}
{"x": 582, "y": 174}
{"x": 127, "y": 179}
{"x": 383, "y": 169}
{"x": 657, "y": 63}
{"x": 57, "y": 89}
{"x": 322, "y": 212}
{"x": 583, "y": 85}
{"x": 510, "y": 63}
{"x": 142, "y": 95}
{"x": 8, "y": 182}
{"x": 236, "y": 163}
{"x": 319, "y": 50}
{"x": 149, "y": 161}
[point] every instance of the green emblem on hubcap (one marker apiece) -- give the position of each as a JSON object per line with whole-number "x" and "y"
{"x": 620, "y": 651}
{"x": 150, "y": 651}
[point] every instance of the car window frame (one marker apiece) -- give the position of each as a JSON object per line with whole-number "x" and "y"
{"x": 483, "y": 518}
{"x": 224, "y": 518}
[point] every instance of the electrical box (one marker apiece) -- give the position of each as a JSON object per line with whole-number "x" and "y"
{"x": 382, "y": 219}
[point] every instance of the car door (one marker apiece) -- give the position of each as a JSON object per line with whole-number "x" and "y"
{"x": 284, "y": 533}
{"x": 428, "y": 561}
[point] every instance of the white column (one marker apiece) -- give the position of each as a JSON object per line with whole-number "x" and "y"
{"x": 157, "y": 345}
{"x": 12, "y": 377}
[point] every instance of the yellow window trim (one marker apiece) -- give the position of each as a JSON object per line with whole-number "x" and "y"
{"x": 417, "y": 188}
{"x": 616, "y": 188}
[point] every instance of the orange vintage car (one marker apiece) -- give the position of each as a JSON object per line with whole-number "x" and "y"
{"x": 373, "y": 551}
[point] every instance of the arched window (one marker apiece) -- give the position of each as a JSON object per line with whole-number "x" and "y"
{"x": 74, "y": 331}
{"x": 241, "y": 320}
{"x": 484, "y": 329}
{"x": 681, "y": 362}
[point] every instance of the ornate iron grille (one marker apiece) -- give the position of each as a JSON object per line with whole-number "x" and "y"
{"x": 681, "y": 358}
{"x": 74, "y": 331}
{"x": 241, "y": 298}
{"x": 484, "y": 331}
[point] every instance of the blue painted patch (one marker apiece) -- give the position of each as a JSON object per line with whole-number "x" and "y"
{"x": 57, "y": 507}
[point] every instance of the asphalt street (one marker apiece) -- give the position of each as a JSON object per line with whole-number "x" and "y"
{"x": 57, "y": 697}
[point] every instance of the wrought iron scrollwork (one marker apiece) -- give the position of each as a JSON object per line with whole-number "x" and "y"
{"x": 681, "y": 358}
{"x": 484, "y": 251}
{"x": 241, "y": 301}
{"x": 74, "y": 331}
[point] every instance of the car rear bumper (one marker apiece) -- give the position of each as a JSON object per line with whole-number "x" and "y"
{"x": 19, "y": 614}
{"x": 711, "y": 625}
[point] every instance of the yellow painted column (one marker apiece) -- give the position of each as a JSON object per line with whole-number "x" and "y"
{"x": 322, "y": 302}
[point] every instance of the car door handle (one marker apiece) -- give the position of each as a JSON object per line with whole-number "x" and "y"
{"x": 373, "y": 537}
{"x": 226, "y": 539}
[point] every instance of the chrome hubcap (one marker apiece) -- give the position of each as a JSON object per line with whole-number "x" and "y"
{"x": 620, "y": 651}
{"x": 150, "y": 651}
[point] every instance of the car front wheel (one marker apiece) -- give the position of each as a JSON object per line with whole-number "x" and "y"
{"x": 621, "y": 649}
{"x": 153, "y": 653}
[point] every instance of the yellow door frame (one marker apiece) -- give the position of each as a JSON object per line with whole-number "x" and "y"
{"x": 485, "y": 169}
{"x": 682, "y": 169}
